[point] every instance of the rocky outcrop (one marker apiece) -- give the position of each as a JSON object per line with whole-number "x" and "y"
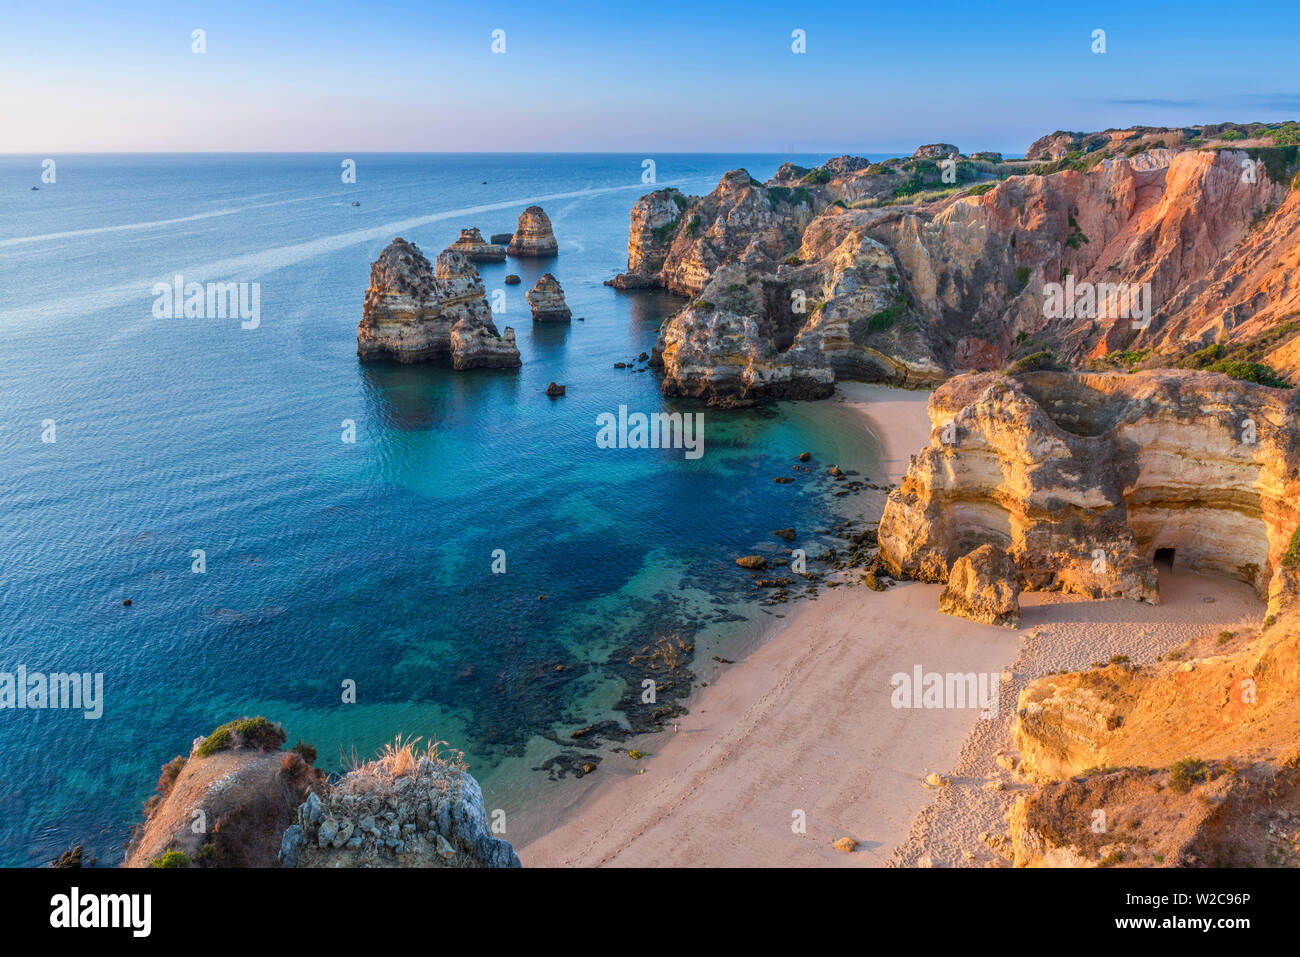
{"x": 416, "y": 314}
{"x": 984, "y": 586}
{"x": 546, "y": 299}
{"x": 1084, "y": 478}
{"x": 226, "y": 803}
{"x": 501, "y": 239}
{"x": 1133, "y": 247}
{"x": 406, "y": 809}
{"x": 533, "y": 236}
{"x": 655, "y": 219}
{"x": 935, "y": 151}
{"x": 472, "y": 247}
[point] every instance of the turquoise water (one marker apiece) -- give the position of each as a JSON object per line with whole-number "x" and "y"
{"x": 329, "y": 561}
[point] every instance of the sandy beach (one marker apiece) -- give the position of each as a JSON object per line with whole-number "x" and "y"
{"x": 804, "y": 728}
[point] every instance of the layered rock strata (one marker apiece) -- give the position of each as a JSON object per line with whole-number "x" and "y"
{"x": 533, "y": 236}
{"x": 1087, "y": 479}
{"x": 1139, "y": 253}
{"x": 546, "y": 299}
{"x": 472, "y": 246}
{"x": 414, "y": 313}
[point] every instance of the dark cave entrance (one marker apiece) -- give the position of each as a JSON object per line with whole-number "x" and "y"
{"x": 1164, "y": 559}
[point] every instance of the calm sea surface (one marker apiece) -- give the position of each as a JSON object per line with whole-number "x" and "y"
{"x": 329, "y": 561}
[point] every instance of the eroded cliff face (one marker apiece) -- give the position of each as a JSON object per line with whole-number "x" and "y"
{"x": 1083, "y": 478}
{"x": 1178, "y": 247}
{"x": 414, "y": 313}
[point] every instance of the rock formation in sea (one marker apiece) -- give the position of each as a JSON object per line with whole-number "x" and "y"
{"x": 501, "y": 239}
{"x": 238, "y": 799}
{"x": 472, "y": 247}
{"x": 546, "y": 299}
{"x": 414, "y": 313}
{"x": 533, "y": 235}
{"x": 1159, "y": 247}
{"x": 1086, "y": 480}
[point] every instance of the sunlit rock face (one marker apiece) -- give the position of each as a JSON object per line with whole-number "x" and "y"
{"x": 474, "y": 248}
{"x": 1177, "y": 248}
{"x": 414, "y": 313}
{"x": 1085, "y": 479}
{"x": 533, "y": 235}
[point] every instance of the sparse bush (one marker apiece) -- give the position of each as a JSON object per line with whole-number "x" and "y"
{"x": 1186, "y": 773}
{"x": 170, "y": 859}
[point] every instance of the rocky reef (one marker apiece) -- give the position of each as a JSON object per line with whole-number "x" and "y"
{"x": 240, "y": 800}
{"x": 546, "y": 299}
{"x": 471, "y": 245}
{"x": 1181, "y": 248}
{"x": 1086, "y": 480}
{"x": 533, "y": 236}
{"x": 416, "y": 313}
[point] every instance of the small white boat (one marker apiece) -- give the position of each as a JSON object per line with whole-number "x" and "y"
{"x": 355, "y": 203}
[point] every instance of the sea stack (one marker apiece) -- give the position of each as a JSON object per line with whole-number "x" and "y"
{"x": 533, "y": 235}
{"x": 547, "y": 301}
{"x": 414, "y": 314}
{"x": 472, "y": 247}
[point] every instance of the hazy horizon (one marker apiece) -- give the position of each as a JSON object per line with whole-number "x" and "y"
{"x": 591, "y": 78}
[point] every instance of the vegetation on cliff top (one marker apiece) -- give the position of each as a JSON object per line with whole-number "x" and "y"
{"x": 245, "y": 733}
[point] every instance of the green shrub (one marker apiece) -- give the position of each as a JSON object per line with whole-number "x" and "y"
{"x": 1022, "y": 274}
{"x": 307, "y": 752}
{"x": 245, "y": 733}
{"x": 1291, "y": 557}
{"x": 1043, "y": 361}
{"x": 170, "y": 859}
{"x": 816, "y": 177}
{"x": 679, "y": 199}
{"x": 664, "y": 232}
{"x": 1186, "y": 773}
{"x": 980, "y": 189}
{"x": 1256, "y": 372}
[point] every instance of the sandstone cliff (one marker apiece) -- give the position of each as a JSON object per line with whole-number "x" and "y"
{"x": 1085, "y": 478}
{"x": 533, "y": 236}
{"x": 416, "y": 314}
{"x": 909, "y": 271}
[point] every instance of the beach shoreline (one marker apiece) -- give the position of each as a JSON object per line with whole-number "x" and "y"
{"x": 802, "y": 727}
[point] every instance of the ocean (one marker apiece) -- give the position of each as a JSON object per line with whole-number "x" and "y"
{"x": 200, "y": 469}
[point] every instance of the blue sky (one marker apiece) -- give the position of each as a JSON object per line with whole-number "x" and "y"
{"x": 627, "y": 77}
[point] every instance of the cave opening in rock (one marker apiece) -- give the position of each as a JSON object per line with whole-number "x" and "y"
{"x": 1165, "y": 558}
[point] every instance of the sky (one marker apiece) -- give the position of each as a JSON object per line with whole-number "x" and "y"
{"x": 633, "y": 76}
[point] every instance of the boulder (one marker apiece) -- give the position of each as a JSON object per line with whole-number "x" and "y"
{"x": 983, "y": 587}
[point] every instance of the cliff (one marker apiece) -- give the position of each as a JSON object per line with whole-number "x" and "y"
{"x": 1086, "y": 479}
{"x": 413, "y": 313}
{"x": 239, "y": 800}
{"x": 910, "y": 271}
